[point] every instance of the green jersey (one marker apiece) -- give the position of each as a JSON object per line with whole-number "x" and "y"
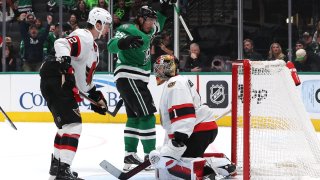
{"x": 134, "y": 63}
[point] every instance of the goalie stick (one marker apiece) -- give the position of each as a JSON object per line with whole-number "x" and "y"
{"x": 123, "y": 175}
{"x": 116, "y": 109}
{"x": 8, "y": 119}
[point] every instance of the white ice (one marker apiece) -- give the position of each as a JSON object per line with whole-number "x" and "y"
{"x": 25, "y": 153}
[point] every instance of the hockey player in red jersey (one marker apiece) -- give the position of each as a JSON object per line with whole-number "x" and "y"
{"x": 76, "y": 59}
{"x": 190, "y": 128}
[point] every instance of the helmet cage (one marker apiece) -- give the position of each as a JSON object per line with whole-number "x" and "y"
{"x": 165, "y": 67}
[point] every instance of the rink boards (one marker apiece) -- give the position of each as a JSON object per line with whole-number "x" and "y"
{"x": 21, "y": 98}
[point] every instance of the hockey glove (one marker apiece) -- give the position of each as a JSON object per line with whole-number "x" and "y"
{"x": 70, "y": 81}
{"x": 68, "y": 72}
{"x": 130, "y": 42}
{"x": 98, "y": 97}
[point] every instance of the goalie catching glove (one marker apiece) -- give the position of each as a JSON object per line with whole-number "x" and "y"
{"x": 98, "y": 97}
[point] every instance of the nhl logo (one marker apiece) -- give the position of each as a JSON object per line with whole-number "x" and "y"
{"x": 217, "y": 95}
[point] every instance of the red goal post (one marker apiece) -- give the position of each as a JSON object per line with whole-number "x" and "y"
{"x": 272, "y": 134}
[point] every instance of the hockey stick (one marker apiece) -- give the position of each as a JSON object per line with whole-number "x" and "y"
{"x": 115, "y": 111}
{"x": 182, "y": 22}
{"x": 222, "y": 115}
{"x": 123, "y": 175}
{"x": 8, "y": 119}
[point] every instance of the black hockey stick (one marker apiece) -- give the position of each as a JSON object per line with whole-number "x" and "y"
{"x": 9, "y": 120}
{"x": 123, "y": 175}
{"x": 116, "y": 109}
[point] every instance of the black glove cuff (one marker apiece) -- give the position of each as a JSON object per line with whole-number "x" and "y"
{"x": 180, "y": 138}
{"x": 94, "y": 94}
{"x": 124, "y": 44}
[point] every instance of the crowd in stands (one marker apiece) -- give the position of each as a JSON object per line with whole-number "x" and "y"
{"x": 38, "y": 36}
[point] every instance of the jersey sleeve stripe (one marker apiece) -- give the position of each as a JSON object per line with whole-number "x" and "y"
{"x": 174, "y": 113}
{"x": 173, "y": 120}
{"x": 181, "y": 106}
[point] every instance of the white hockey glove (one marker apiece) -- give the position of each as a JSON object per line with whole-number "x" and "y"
{"x": 168, "y": 155}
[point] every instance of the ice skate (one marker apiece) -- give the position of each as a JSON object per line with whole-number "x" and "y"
{"x": 64, "y": 173}
{"x": 54, "y": 167}
{"x": 130, "y": 159}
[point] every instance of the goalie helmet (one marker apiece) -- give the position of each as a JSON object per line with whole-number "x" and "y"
{"x": 165, "y": 67}
{"x": 146, "y": 12}
{"x": 99, "y": 14}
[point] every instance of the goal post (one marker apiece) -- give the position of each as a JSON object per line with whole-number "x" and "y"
{"x": 272, "y": 134}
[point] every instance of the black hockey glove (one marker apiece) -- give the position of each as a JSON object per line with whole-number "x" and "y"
{"x": 68, "y": 71}
{"x": 98, "y": 97}
{"x": 130, "y": 42}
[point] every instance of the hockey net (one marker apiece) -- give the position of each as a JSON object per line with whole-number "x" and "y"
{"x": 272, "y": 135}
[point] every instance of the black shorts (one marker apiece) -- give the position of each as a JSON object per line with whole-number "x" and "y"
{"x": 136, "y": 96}
{"x": 199, "y": 142}
{"x": 61, "y": 102}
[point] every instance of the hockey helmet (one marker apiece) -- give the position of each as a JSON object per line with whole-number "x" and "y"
{"x": 165, "y": 67}
{"x": 99, "y": 14}
{"x": 146, "y": 12}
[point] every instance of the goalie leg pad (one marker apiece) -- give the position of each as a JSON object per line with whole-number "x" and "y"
{"x": 186, "y": 168}
{"x": 222, "y": 165}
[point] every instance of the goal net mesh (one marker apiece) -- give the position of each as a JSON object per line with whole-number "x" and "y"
{"x": 283, "y": 141}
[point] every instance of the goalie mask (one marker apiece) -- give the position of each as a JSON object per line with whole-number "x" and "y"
{"x": 165, "y": 67}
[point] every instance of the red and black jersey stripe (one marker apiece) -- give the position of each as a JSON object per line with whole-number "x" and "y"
{"x": 75, "y": 44}
{"x": 67, "y": 142}
{"x": 182, "y": 111}
{"x": 90, "y": 72}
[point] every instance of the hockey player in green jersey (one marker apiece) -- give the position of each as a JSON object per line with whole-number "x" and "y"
{"x": 132, "y": 45}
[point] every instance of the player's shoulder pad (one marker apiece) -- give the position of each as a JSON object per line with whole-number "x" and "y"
{"x": 176, "y": 82}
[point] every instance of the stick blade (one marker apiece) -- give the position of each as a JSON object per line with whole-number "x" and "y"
{"x": 110, "y": 168}
{"x": 10, "y": 123}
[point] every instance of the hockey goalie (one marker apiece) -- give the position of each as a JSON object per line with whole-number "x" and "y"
{"x": 190, "y": 128}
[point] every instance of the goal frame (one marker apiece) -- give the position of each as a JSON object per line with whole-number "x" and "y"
{"x": 246, "y": 114}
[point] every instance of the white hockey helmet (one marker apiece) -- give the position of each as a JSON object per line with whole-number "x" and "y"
{"x": 99, "y": 14}
{"x": 165, "y": 67}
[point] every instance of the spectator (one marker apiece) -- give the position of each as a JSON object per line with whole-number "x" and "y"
{"x": 221, "y": 64}
{"x": 196, "y": 61}
{"x": 24, "y": 6}
{"x": 137, "y": 4}
{"x": 81, "y": 11}
{"x": 68, "y": 5}
{"x": 161, "y": 45}
{"x": 315, "y": 35}
{"x": 249, "y": 52}
{"x": 91, "y": 3}
{"x": 11, "y": 64}
{"x": 9, "y": 12}
{"x": 53, "y": 36}
{"x": 103, "y": 4}
{"x": 310, "y": 45}
{"x": 73, "y": 22}
{"x": 305, "y": 61}
{"x": 121, "y": 11}
{"x": 275, "y": 52}
{"x": 33, "y": 42}
{"x": 52, "y": 28}
{"x": 31, "y": 18}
